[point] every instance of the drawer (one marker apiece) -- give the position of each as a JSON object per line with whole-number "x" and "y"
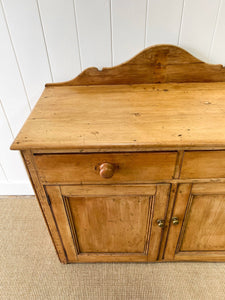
{"x": 203, "y": 164}
{"x": 105, "y": 167}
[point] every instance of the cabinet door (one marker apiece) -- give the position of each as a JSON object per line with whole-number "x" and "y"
{"x": 109, "y": 223}
{"x": 200, "y": 233}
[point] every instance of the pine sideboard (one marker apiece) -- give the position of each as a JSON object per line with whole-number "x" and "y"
{"x": 128, "y": 162}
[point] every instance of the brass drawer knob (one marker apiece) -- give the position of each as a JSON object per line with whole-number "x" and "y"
{"x": 161, "y": 223}
{"x": 106, "y": 170}
{"x": 175, "y": 220}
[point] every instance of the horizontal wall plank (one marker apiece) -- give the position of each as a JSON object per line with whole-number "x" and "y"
{"x": 93, "y": 23}
{"x": 61, "y": 38}
{"x": 198, "y": 25}
{"x": 163, "y": 22}
{"x": 12, "y": 93}
{"x": 128, "y": 28}
{"x": 26, "y": 33}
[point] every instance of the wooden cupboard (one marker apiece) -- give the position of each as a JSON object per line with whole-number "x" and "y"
{"x": 198, "y": 227}
{"x": 128, "y": 163}
{"x": 95, "y": 221}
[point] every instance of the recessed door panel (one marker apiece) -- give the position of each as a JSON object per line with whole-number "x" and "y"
{"x": 110, "y": 223}
{"x": 200, "y": 232}
{"x": 115, "y": 224}
{"x": 205, "y": 228}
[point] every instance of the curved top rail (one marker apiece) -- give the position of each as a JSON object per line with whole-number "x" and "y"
{"x": 156, "y": 64}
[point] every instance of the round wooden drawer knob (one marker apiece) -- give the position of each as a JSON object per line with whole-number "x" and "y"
{"x": 106, "y": 170}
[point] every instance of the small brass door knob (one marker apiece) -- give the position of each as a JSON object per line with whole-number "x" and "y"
{"x": 106, "y": 170}
{"x": 161, "y": 223}
{"x": 175, "y": 220}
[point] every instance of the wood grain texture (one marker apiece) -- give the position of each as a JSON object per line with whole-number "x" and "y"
{"x": 156, "y": 64}
{"x": 110, "y": 223}
{"x": 182, "y": 196}
{"x": 203, "y": 164}
{"x": 169, "y": 210}
{"x": 127, "y": 117}
{"x": 60, "y": 216}
{"x": 101, "y": 206}
{"x": 179, "y": 162}
{"x": 132, "y": 189}
{"x": 200, "y": 232}
{"x": 85, "y": 168}
{"x": 212, "y": 256}
{"x": 44, "y": 206}
{"x": 56, "y": 29}
{"x": 159, "y": 213}
{"x": 212, "y": 188}
{"x": 205, "y": 225}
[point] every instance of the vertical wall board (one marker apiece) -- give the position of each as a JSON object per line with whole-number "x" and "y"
{"x": 26, "y": 33}
{"x": 163, "y": 21}
{"x": 198, "y": 25}
{"x": 128, "y": 28}
{"x": 60, "y": 32}
{"x": 10, "y": 160}
{"x": 217, "y": 54}
{"x": 93, "y": 23}
{"x": 12, "y": 93}
{"x": 2, "y": 175}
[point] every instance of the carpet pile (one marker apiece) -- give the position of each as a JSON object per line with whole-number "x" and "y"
{"x": 30, "y": 269}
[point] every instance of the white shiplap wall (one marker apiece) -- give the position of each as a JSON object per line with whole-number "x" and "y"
{"x": 54, "y": 40}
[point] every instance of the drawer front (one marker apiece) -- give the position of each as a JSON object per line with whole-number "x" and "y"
{"x": 203, "y": 164}
{"x": 94, "y": 168}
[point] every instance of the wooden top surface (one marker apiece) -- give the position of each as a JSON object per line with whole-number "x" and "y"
{"x": 114, "y": 117}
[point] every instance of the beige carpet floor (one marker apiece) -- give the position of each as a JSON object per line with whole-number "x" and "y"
{"x": 29, "y": 267}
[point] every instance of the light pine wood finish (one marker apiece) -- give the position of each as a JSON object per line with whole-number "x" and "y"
{"x": 120, "y": 221}
{"x": 44, "y": 205}
{"x": 203, "y": 164}
{"x": 138, "y": 112}
{"x": 85, "y": 168}
{"x": 128, "y": 162}
{"x": 200, "y": 233}
{"x": 128, "y": 117}
{"x": 157, "y": 64}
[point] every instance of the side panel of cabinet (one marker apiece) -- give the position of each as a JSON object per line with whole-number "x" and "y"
{"x": 200, "y": 233}
{"x": 109, "y": 223}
